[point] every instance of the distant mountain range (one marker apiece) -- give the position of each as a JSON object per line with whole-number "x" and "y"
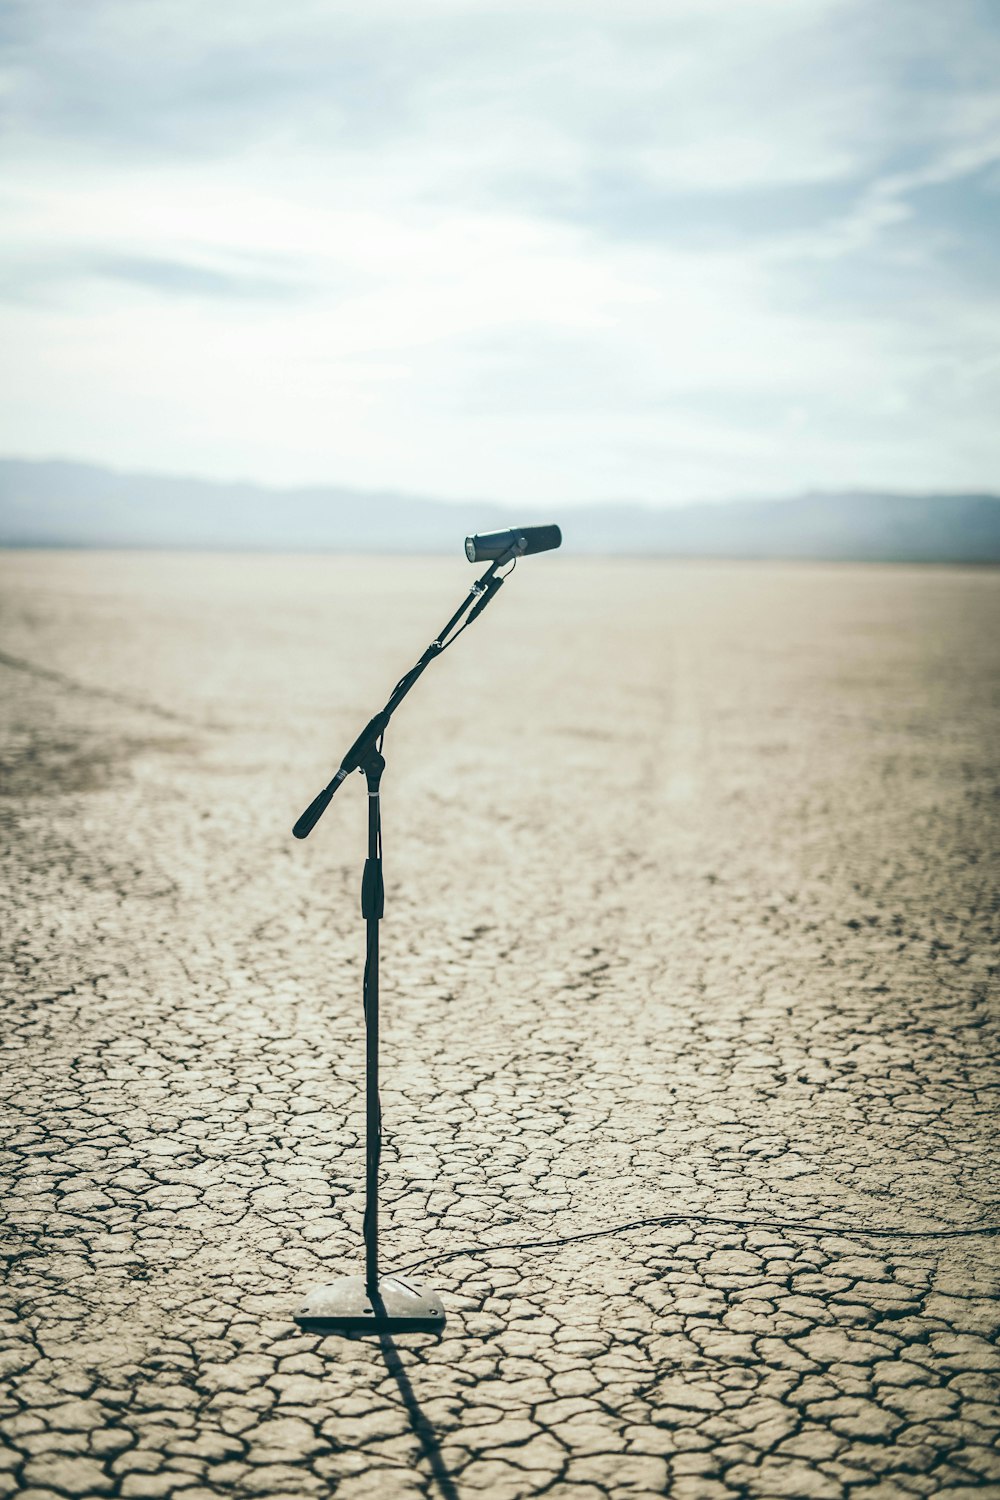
{"x": 63, "y": 504}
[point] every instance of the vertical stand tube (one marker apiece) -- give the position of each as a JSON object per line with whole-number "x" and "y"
{"x": 366, "y": 1304}
{"x": 372, "y": 906}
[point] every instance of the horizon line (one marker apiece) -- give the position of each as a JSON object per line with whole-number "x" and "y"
{"x": 857, "y": 489}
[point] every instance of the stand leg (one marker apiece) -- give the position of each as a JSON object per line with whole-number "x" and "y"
{"x": 355, "y": 1303}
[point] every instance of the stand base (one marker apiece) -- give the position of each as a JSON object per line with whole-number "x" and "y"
{"x": 345, "y": 1307}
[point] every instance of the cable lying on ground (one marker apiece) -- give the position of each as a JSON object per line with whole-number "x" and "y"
{"x": 802, "y": 1225}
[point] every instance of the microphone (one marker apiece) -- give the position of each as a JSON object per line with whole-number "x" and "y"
{"x": 518, "y": 541}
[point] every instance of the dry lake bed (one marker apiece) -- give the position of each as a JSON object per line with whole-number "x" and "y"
{"x": 691, "y": 882}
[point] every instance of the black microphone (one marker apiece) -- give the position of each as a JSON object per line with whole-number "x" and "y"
{"x": 518, "y": 541}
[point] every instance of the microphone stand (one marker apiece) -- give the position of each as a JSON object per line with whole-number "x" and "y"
{"x": 371, "y": 1303}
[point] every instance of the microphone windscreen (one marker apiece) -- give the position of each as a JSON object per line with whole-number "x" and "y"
{"x": 540, "y": 538}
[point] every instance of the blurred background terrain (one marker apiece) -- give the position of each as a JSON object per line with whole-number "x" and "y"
{"x": 76, "y": 505}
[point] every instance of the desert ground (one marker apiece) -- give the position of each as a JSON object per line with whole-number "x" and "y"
{"x": 691, "y": 914}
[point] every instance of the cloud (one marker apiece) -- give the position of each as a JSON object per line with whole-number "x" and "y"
{"x": 660, "y": 249}
{"x": 43, "y": 280}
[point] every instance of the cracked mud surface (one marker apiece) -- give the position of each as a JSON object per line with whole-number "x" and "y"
{"x": 691, "y": 908}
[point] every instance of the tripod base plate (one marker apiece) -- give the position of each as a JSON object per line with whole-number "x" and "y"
{"x": 345, "y": 1306}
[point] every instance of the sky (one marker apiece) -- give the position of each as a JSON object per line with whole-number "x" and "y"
{"x": 537, "y": 249}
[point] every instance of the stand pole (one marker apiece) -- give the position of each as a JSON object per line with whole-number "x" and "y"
{"x": 370, "y": 1303}
{"x": 372, "y": 907}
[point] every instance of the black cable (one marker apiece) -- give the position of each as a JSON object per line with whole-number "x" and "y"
{"x": 808, "y": 1226}
{"x": 442, "y": 644}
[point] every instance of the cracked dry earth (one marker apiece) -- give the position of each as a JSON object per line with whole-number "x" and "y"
{"x": 691, "y": 910}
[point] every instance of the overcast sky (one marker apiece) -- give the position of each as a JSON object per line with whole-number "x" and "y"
{"x": 538, "y": 250}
